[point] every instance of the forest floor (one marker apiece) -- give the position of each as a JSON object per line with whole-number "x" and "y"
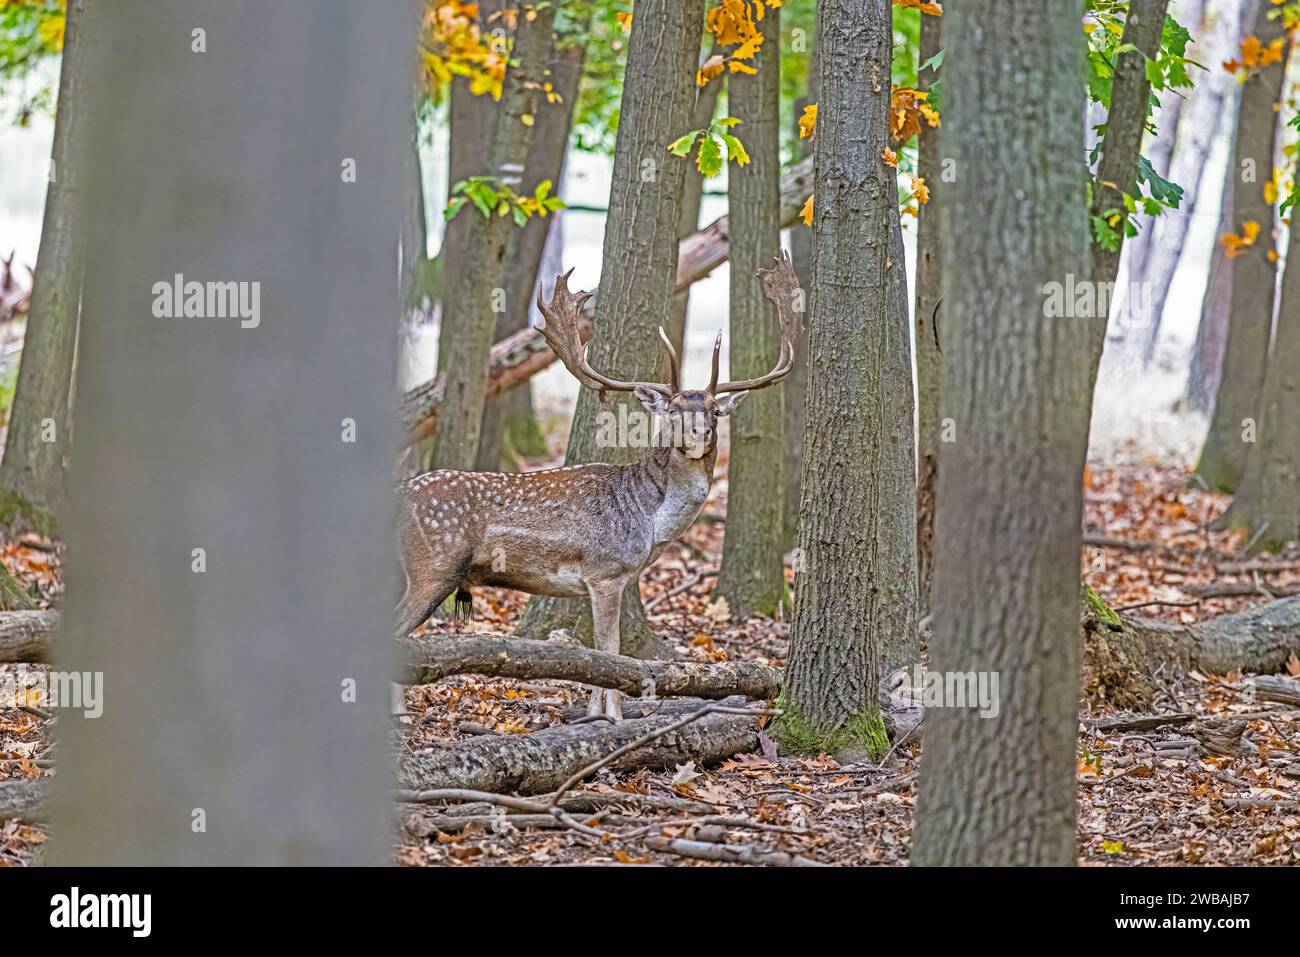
{"x": 1143, "y": 799}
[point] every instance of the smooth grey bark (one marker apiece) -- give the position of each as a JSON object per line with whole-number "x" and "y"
{"x": 855, "y": 604}
{"x": 1125, "y": 122}
{"x": 752, "y": 573}
{"x": 1254, "y": 274}
{"x": 245, "y": 699}
{"x": 38, "y": 439}
{"x": 1267, "y": 505}
{"x": 929, "y": 355}
{"x": 1211, "y": 108}
{"x": 1000, "y": 790}
{"x": 1159, "y": 152}
{"x": 1206, "y": 366}
{"x": 509, "y": 425}
{"x": 706, "y": 104}
{"x": 638, "y": 264}
{"x": 473, "y": 292}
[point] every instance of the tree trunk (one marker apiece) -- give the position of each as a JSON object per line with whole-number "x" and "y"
{"x": 1211, "y": 107}
{"x": 929, "y": 356}
{"x": 706, "y": 104}
{"x": 1126, "y": 120}
{"x": 473, "y": 291}
{"x": 795, "y": 386}
{"x": 470, "y": 121}
{"x": 752, "y": 574}
{"x": 1000, "y": 789}
{"x": 638, "y": 264}
{"x": 39, "y": 425}
{"x": 236, "y": 485}
{"x": 1266, "y": 504}
{"x": 1254, "y": 274}
{"x": 510, "y": 416}
{"x": 855, "y": 605}
{"x": 1159, "y": 152}
{"x": 1206, "y": 367}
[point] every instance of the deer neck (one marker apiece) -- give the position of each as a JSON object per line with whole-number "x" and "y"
{"x": 673, "y": 488}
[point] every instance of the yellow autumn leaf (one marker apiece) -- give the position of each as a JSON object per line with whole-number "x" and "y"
{"x": 890, "y": 157}
{"x": 712, "y": 67}
{"x": 1235, "y": 245}
{"x": 808, "y": 121}
{"x": 737, "y": 67}
{"x": 806, "y": 214}
{"x": 624, "y": 21}
{"x": 920, "y": 192}
{"x": 931, "y": 7}
{"x": 930, "y": 113}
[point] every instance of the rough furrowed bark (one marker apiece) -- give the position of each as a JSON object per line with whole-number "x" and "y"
{"x": 37, "y": 442}
{"x": 432, "y": 660}
{"x": 542, "y": 761}
{"x": 25, "y": 635}
{"x": 855, "y": 602}
{"x": 1223, "y": 457}
{"x": 516, "y": 359}
{"x": 752, "y": 575}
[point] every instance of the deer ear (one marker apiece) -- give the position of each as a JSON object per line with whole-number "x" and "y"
{"x": 653, "y": 402}
{"x": 728, "y": 403}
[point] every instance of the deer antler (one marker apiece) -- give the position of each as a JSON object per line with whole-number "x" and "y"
{"x": 780, "y": 285}
{"x": 560, "y": 329}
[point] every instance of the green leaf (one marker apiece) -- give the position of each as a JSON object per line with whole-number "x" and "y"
{"x": 453, "y": 207}
{"x": 728, "y": 122}
{"x": 518, "y": 214}
{"x": 1106, "y": 237}
{"x": 1171, "y": 194}
{"x": 933, "y": 63}
{"x": 682, "y": 145}
{"x": 709, "y": 159}
{"x": 735, "y": 149}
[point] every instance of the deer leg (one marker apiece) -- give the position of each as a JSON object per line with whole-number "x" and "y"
{"x": 606, "y": 603}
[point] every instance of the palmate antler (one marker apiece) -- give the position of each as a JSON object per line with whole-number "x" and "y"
{"x": 780, "y": 287}
{"x": 560, "y": 329}
{"x": 562, "y": 316}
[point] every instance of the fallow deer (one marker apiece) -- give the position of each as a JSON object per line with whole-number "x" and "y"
{"x": 582, "y": 529}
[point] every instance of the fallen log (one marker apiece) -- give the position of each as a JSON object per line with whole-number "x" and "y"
{"x": 434, "y": 659}
{"x": 25, "y": 635}
{"x": 543, "y": 761}
{"x": 22, "y": 799}
{"x": 517, "y": 358}
{"x": 1125, "y": 657}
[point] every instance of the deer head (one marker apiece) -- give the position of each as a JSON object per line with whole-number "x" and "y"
{"x": 690, "y": 415}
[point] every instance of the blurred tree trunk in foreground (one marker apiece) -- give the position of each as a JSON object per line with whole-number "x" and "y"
{"x": 231, "y": 523}
{"x": 31, "y": 476}
{"x": 999, "y": 788}
{"x": 1254, "y": 273}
